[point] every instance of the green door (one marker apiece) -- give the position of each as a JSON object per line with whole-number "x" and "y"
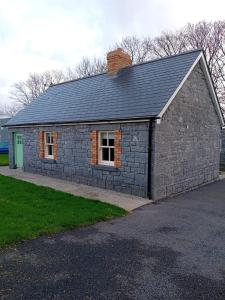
{"x": 18, "y": 150}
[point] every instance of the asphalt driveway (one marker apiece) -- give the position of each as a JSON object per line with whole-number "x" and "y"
{"x": 171, "y": 250}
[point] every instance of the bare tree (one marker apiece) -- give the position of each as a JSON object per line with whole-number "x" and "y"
{"x": 209, "y": 36}
{"x": 24, "y": 92}
{"x": 11, "y": 109}
{"x": 138, "y": 49}
{"x": 87, "y": 67}
{"x": 169, "y": 43}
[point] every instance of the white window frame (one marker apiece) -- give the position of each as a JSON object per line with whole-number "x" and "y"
{"x": 48, "y": 144}
{"x": 100, "y": 147}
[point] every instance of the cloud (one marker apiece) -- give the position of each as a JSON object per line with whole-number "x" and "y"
{"x": 39, "y": 35}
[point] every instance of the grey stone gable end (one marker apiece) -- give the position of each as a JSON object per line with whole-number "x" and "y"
{"x": 186, "y": 145}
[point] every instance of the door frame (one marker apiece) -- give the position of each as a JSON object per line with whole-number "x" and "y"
{"x": 15, "y": 134}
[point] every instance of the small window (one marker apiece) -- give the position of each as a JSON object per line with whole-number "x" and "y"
{"x": 19, "y": 140}
{"x": 49, "y": 145}
{"x": 106, "y": 148}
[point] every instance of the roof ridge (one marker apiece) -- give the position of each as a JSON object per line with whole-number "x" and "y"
{"x": 167, "y": 57}
{"x": 76, "y": 79}
{"x": 131, "y": 66}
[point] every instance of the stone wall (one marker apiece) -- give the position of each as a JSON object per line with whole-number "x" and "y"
{"x": 186, "y": 145}
{"x": 74, "y": 157}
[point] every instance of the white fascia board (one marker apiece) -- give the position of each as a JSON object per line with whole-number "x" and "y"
{"x": 80, "y": 123}
{"x": 179, "y": 87}
{"x": 212, "y": 90}
{"x": 200, "y": 58}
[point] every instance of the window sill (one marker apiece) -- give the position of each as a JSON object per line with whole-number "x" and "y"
{"x": 48, "y": 160}
{"x": 105, "y": 168}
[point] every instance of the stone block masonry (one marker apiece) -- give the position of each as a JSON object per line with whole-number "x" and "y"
{"x": 76, "y": 160}
{"x": 186, "y": 145}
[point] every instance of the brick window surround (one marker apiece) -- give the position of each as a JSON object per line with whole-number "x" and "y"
{"x": 94, "y": 147}
{"x": 94, "y": 136}
{"x": 118, "y": 149}
{"x": 41, "y": 139}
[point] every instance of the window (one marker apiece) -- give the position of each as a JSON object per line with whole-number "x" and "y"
{"x": 106, "y": 148}
{"x": 19, "y": 140}
{"x": 49, "y": 145}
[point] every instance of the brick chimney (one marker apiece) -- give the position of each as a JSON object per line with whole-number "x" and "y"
{"x": 117, "y": 60}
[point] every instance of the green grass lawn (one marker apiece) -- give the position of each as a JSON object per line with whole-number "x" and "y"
{"x": 28, "y": 210}
{"x": 4, "y": 160}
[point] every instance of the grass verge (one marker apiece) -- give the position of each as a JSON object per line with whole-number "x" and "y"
{"x": 28, "y": 210}
{"x": 4, "y": 160}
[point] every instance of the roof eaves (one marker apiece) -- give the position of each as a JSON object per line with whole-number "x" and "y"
{"x": 82, "y": 122}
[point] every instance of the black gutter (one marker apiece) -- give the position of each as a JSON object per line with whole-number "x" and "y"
{"x": 150, "y": 128}
{"x": 80, "y": 122}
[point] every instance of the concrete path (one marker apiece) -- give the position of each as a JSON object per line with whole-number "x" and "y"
{"x": 174, "y": 249}
{"x": 125, "y": 201}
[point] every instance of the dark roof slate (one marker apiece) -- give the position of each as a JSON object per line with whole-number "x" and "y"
{"x": 138, "y": 91}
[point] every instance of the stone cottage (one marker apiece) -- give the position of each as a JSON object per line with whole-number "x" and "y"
{"x": 151, "y": 129}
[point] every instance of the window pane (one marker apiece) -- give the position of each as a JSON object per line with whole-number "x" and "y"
{"x": 50, "y": 152}
{"x": 111, "y": 154}
{"x": 104, "y": 142}
{"x": 105, "y": 153}
{"x": 111, "y": 142}
{"x": 111, "y": 139}
{"x": 111, "y": 135}
{"x": 47, "y": 138}
{"x": 104, "y": 139}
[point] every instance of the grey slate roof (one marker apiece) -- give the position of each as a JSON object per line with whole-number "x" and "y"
{"x": 138, "y": 91}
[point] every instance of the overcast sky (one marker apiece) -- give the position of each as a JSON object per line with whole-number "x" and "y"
{"x": 37, "y": 35}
